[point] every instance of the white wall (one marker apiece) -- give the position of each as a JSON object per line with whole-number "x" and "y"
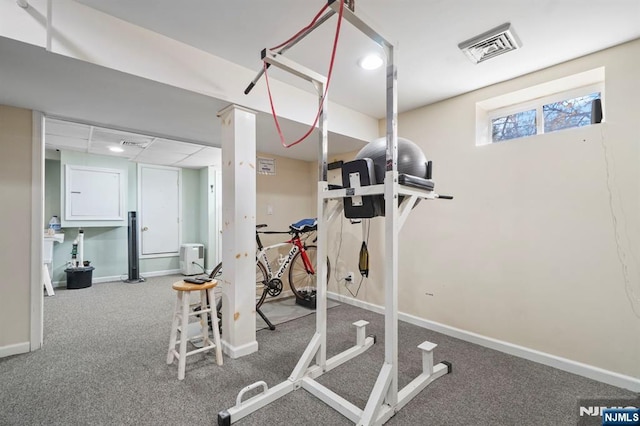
{"x": 527, "y": 251}
{"x": 287, "y": 194}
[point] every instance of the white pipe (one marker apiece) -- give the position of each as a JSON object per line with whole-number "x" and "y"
{"x": 22, "y": 3}
{"x": 80, "y": 257}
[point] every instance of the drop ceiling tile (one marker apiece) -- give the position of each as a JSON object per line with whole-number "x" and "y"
{"x": 174, "y": 146}
{"x": 204, "y": 158}
{"x": 160, "y": 157}
{"x": 104, "y": 151}
{"x": 65, "y": 128}
{"x": 65, "y": 142}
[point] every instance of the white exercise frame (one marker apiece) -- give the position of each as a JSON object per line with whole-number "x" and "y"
{"x": 385, "y": 398}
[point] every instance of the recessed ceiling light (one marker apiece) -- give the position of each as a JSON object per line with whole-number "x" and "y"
{"x": 371, "y": 62}
{"x": 115, "y": 149}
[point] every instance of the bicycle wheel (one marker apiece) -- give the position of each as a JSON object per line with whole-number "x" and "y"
{"x": 303, "y": 283}
{"x": 261, "y": 282}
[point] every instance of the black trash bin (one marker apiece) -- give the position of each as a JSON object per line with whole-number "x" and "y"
{"x": 79, "y": 277}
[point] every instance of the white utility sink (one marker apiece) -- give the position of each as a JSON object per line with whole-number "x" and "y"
{"x": 47, "y": 246}
{"x": 47, "y": 258}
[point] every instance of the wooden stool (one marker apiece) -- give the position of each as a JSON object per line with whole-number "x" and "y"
{"x": 181, "y": 316}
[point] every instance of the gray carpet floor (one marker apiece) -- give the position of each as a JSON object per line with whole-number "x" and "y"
{"x": 103, "y": 363}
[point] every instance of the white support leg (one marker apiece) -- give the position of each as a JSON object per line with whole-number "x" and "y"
{"x": 332, "y": 399}
{"x": 174, "y": 332}
{"x": 407, "y": 205}
{"x": 215, "y": 326}
{"x": 362, "y": 344}
{"x": 427, "y": 356}
{"x": 244, "y": 408}
{"x": 361, "y": 330}
{"x": 306, "y": 358}
{"x": 378, "y": 394}
{"x": 184, "y": 333}
{"x": 429, "y": 374}
{"x": 238, "y": 230}
{"x": 47, "y": 280}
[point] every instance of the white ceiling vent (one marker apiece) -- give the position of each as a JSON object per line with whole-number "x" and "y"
{"x": 121, "y": 138}
{"x": 493, "y": 43}
{"x": 138, "y": 143}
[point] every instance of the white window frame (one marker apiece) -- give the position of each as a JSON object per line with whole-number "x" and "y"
{"x": 535, "y": 98}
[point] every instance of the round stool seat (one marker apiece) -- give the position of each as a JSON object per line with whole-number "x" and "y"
{"x": 184, "y": 286}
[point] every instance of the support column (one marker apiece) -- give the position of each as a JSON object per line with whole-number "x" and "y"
{"x": 238, "y": 231}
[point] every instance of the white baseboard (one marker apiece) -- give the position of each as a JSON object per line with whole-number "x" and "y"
{"x": 160, "y": 273}
{"x": 15, "y": 349}
{"x": 239, "y": 351}
{"x": 108, "y": 279}
{"x": 585, "y": 370}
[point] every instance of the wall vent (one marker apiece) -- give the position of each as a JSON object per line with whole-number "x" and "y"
{"x": 490, "y": 44}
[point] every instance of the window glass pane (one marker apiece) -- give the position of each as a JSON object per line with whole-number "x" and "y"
{"x": 514, "y": 126}
{"x": 575, "y": 112}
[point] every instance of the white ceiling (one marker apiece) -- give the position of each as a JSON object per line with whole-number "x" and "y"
{"x": 431, "y": 67}
{"x": 427, "y": 32}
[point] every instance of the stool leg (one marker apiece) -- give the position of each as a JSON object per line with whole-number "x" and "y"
{"x": 216, "y": 329}
{"x": 47, "y": 280}
{"x": 174, "y": 331}
{"x": 184, "y": 334}
{"x": 204, "y": 319}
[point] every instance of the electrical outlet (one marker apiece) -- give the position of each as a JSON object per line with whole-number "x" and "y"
{"x": 349, "y": 276}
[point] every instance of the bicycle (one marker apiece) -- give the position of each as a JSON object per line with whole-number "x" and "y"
{"x": 302, "y": 258}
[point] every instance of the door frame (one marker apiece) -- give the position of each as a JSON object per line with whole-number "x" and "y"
{"x": 36, "y": 326}
{"x": 139, "y": 204}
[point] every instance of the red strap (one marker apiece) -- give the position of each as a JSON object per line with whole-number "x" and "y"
{"x": 326, "y": 89}
{"x": 315, "y": 18}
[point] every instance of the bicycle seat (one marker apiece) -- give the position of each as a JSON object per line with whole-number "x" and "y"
{"x": 262, "y": 225}
{"x": 304, "y": 225}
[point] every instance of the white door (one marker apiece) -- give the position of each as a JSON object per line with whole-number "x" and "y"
{"x": 159, "y": 195}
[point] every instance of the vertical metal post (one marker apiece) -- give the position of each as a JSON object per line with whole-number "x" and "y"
{"x": 321, "y": 276}
{"x": 391, "y": 227}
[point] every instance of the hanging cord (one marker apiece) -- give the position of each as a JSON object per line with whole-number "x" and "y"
{"x": 361, "y": 277}
{"x": 335, "y": 264}
{"x": 326, "y": 89}
{"x": 204, "y": 271}
{"x": 630, "y": 290}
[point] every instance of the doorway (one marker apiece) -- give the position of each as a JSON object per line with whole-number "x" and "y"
{"x": 160, "y": 175}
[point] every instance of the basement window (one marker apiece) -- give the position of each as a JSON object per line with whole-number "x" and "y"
{"x": 558, "y": 105}
{"x": 512, "y": 126}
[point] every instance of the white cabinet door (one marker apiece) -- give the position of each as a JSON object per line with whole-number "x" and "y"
{"x": 159, "y": 210}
